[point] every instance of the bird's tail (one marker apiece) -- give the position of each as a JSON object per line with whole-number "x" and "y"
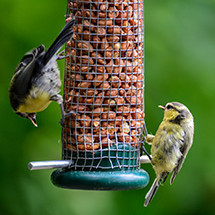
{"x": 154, "y": 187}
{"x": 62, "y": 38}
{"x": 151, "y": 192}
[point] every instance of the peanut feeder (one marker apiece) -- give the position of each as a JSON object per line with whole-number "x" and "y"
{"x": 104, "y": 86}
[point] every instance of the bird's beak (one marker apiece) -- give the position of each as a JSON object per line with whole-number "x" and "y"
{"x": 162, "y": 107}
{"x": 32, "y": 117}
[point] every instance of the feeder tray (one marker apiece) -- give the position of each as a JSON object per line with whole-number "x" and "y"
{"x": 108, "y": 178}
{"x": 103, "y": 97}
{"x": 100, "y": 180}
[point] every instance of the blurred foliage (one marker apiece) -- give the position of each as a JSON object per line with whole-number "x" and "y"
{"x": 179, "y": 66}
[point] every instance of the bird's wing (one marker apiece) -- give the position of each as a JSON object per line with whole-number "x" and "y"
{"x": 29, "y": 57}
{"x": 62, "y": 38}
{"x": 184, "y": 150}
{"x": 21, "y": 80}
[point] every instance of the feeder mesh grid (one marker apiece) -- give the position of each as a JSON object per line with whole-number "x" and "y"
{"x": 104, "y": 85}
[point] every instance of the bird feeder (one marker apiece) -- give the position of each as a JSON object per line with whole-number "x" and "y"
{"x": 104, "y": 92}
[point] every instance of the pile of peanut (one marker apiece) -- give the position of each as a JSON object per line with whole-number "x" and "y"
{"x": 104, "y": 74}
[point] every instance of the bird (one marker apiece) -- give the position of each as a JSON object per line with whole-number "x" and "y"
{"x": 170, "y": 145}
{"x": 36, "y": 80}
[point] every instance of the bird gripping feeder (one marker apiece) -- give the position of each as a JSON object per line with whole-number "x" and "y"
{"x": 104, "y": 88}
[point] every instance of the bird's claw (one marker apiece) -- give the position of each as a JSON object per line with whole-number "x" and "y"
{"x": 62, "y": 55}
{"x": 65, "y": 115}
{"x": 145, "y": 151}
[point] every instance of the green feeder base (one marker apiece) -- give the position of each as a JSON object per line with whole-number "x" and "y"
{"x": 100, "y": 180}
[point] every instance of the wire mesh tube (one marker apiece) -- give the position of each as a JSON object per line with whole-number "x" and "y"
{"x": 104, "y": 85}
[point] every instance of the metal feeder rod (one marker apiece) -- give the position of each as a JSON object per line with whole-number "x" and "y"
{"x": 36, "y": 165}
{"x": 144, "y": 159}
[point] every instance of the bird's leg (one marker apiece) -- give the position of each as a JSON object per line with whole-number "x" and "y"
{"x": 65, "y": 115}
{"x": 58, "y": 98}
{"x": 148, "y": 137}
{"x": 142, "y": 148}
{"x": 62, "y": 114}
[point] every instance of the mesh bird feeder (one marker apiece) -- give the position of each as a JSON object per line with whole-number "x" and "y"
{"x": 104, "y": 87}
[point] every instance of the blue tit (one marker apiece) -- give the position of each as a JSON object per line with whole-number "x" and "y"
{"x": 170, "y": 144}
{"x": 36, "y": 81}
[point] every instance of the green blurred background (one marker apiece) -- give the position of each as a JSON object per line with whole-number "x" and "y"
{"x": 179, "y": 66}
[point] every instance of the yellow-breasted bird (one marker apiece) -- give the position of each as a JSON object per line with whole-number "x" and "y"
{"x": 36, "y": 80}
{"x": 170, "y": 144}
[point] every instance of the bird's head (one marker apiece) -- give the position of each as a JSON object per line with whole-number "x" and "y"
{"x": 176, "y": 112}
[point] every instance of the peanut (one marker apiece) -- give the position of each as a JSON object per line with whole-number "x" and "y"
{"x": 84, "y": 84}
{"x": 106, "y": 142}
{"x": 112, "y": 92}
{"x": 120, "y": 120}
{"x": 84, "y": 59}
{"x": 122, "y": 92}
{"x": 97, "y": 111}
{"x": 91, "y": 92}
{"x": 119, "y": 100}
{"x": 101, "y": 31}
{"x": 119, "y": 66}
{"x": 85, "y": 46}
{"x": 99, "y": 99}
{"x": 115, "y": 81}
{"x": 84, "y": 130}
{"x": 124, "y": 137}
{"x": 114, "y": 30}
{"x": 85, "y": 138}
{"x": 132, "y": 100}
{"x": 110, "y": 102}
{"x": 125, "y": 128}
{"x": 104, "y": 44}
{"x": 96, "y": 41}
{"x": 103, "y": 7}
{"x": 80, "y": 108}
{"x": 89, "y": 76}
{"x": 76, "y": 77}
{"x": 113, "y": 39}
{"x": 82, "y": 147}
{"x": 100, "y": 78}
{"x": 106, "y": 124}
{"x": 89, "y": 100}
{"x": 98, "y": 58}
{"x": 113, "y": 13}
{"x": 105, "y": 22}
{"x": 85, "y": 68}
{"x": 102, "y": 14}
{"x": 117, "y": 46}
{"x": 123, "y": 110}
{"x": 105, "y": 85}
{"x": 96, "y": 122}
{"x": 109, "y": 115}
{"x": 89, "y": 26}
{"x": 99, "y": 69}
{"x": 109, "y": 67}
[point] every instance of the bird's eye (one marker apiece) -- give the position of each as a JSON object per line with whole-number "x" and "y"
{"x": 169, "y": 107}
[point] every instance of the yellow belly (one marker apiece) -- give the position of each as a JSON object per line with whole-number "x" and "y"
{"x": 35, "y": 104}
